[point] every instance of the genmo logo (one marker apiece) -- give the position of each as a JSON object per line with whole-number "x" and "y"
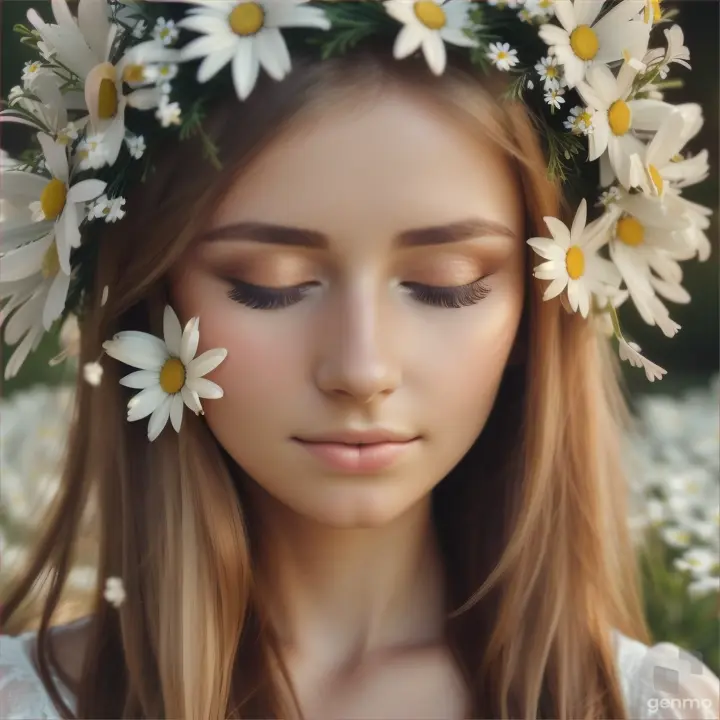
{"x": 670, "y": 670}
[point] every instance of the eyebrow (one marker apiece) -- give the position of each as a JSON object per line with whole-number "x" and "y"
{"x": 271, "y": 234}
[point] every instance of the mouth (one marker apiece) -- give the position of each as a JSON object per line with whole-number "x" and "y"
{"x": 359, "y": 457}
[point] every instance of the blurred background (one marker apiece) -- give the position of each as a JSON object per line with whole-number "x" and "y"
{"x": 674, "y": 458}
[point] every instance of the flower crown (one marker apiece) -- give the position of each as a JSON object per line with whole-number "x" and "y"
{"x": 107, "y": 83}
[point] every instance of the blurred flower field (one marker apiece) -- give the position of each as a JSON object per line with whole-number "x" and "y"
{"x": 673, "y": 458}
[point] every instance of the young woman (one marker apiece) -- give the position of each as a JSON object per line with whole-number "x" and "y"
{"x": 403, "y": 495}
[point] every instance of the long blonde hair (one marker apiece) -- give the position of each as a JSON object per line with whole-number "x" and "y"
{"x": 532, "y": 522}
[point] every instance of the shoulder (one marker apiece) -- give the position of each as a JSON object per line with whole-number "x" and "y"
{"x": 665, "y": 681}
{"x": 22, "y": 692}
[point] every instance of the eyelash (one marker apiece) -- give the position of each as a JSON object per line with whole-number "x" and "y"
{"x": 262, "y": 298}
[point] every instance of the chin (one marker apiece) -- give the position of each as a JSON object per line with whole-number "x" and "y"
{"x": 365, "y": 505}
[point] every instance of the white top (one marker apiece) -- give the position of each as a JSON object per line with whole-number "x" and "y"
{"x": 661, "y": 681}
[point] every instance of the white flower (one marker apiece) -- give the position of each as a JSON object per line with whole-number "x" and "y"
{"x": 697, "y": 217}
{"x": 169, "y": 374}
{"x": 549, "y": 72}
{"x": 84, "y": 46}
{"x": 32, "y": 71}
{"x": 630, "y": 352}
{"x": 572, "y": 260}
{"x": 704, "y": 586}
{"x": 503, "y": 57}
{"x": 104, "y": 296}
{"x": 615, "y": 117}
{"x": 429, "y": 24}
{"x": 676, "y": 52}
{"x": 161, "y": 73}
{"x": 136, "y": 146}
{"x": 91, "y": 153}
{"x": 698, "y": 561}
{"x": 554, "y": 98}
{"x": 114, "y": 591}
{"x": 69, "y": 133}
{"x": 168, "y": 113}
{"x": 580, "y": 121}
{"x": 247, "y": 35}
{"x": 581, "y": 41}
{"x": 659, "y": 157}
{"x": 48, "y": 110}
{"x": 540, "y": 9}
{"x": 15, "y": 92}
{"x": 109, "y": 210}
{"x": 54, "y": 200}
{"x": 512, "y": 4}
{"x": 92, "y": 373}
{"x": 645, "y": 244}
{"x": 166, "y": 32}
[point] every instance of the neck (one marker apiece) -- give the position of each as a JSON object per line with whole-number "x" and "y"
{"x": 339, "y": 594}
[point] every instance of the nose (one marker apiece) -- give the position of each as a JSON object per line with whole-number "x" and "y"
{"x": 357, "y": 356}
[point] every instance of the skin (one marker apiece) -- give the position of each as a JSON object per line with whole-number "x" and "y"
{"x": 351, "y": 559}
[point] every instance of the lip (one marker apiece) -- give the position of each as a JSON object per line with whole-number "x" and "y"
{"x": 359, "y": 437}
{"x": 359, "y": 458}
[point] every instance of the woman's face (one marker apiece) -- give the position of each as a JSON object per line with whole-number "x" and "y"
{"x": 366, "y": 277}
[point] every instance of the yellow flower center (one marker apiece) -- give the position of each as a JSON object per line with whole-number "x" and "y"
{"x": 52, "y": 199}
{"x": 551, "y": 71}
{"x": 575, "y": 262}
{"x": 107, "y": 99}
{"x": 502, "y": 55}
{"x": 430, "y": 15}
{"x": 134, "y": 74}
{"x": 619, "y": 117}
{"x": 630, "y": 231}
{"x": 656, "y": 11}
{"x": 51, "y": 262}
{"x": 584, "y": 42}
{"x": 172, "y": 376}
{"x": 247, "y": 19}
{"x": 656, "y": 178}
{"x": 677, "y": 157}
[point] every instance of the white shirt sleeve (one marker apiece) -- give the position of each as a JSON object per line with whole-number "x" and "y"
{"x": 22, "y": 693}
{"x": 664, "y": 681}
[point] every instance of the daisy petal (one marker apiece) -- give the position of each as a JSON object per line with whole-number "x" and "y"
{"x": 205, "y": 388}
{"x": 559, "y": 231}
{"x": 191, "y": 400}
{"x": 145, "y": 403}
{"x": 245, "y": 68}
{"x": 141, "y": 379}
{"x": 205, "y": 363}
{"x": 190, "y": 341}
{"x": 56, "y": 299}
{"x": 435, "y": 53}
{"x": 159, "y": 418}
{"x": 176, "y": 411}
{"x": 407, "y": 42}
{"x": 555, "y": 288}
{"x": 172, "y": 331}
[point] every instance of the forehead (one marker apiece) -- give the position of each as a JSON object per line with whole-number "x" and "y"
{"x": 384, "y": 162}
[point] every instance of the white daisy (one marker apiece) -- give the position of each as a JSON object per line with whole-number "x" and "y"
{"x": 554, "y": 98}
{"x": 697, "y": 217}
{"x": 54, "y": 202}
{"x": 660, "y": 157}
{"x": 503, "y": 57}
{"x": 430, "y": 24}
{"x": 579, "y": 121}
{"x": 246, "y": 34}
{"x": 91, "y": 153}
{"x": 109, "y": 210}
{"x": 48, "y": 109}
{"x": 549, "y": 72}
{"x": 581, "y": 41}
{"x": 31, "y": 72}
{"x": 114, "y": 591}
{"x": 166, "y": 32}
{"x": 38, "y": 266}
{"x": 92, "y": 373}
{"x": 572, "y": 260}
{"x": 84, "y": 47}
{"x": 170, "y": 375}
{"x": 168, "y": 113}
{"x": 540, "y": 9}
{"x": 512, "y": 4}
{"x": 676, "y": 52}
{"x": 615, "y": 118}
{"x": 136, "y": 146}
{"x": 26, "y": 299}
{"x": 630, "y": 352}
{"x": 645, "y": 244}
